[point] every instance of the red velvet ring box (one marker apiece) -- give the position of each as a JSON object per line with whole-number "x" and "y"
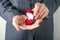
{"x": 30, "y": 19}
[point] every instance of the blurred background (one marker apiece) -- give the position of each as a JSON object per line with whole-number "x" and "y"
{"x": 56, "y": 22}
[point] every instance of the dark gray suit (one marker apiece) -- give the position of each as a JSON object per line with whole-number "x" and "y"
{"x": 10, "y": 8}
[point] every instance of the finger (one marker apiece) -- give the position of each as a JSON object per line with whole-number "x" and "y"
{"x": 36, "y": 24}
{"x": 44, "y": 14}
{"x": 33, "y": 26}
{"x": 40, "y": 10}
{"x": 24, "y": 17}
{"x": 36, "y": 8}
{"x": 22, "y": 27}
{"x": 17, "y": 26}
{"x": 29, "y": 27}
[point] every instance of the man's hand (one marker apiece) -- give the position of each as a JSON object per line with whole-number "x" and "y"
{"x": 40, "y": 11}
{"x": 18, "y": 23}
{"x": 18, "y": 20}
{"x": 33, "y": 26}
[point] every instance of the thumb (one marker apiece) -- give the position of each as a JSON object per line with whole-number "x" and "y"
{"x": 36, "y": 8}
{"x": 17, "y": 26}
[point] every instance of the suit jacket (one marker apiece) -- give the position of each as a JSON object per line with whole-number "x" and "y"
{"x": 10, "y": 8}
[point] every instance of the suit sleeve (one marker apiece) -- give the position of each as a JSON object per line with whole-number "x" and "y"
{"x": 7, "y": 10}
{"x": 52, "y": 6}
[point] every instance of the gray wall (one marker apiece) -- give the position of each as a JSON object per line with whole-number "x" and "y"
{"x": 2, "y": 28}
{"x": 56, "y": 26}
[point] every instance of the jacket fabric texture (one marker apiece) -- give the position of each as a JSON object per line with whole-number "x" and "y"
{"x": 10, "y": 8}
